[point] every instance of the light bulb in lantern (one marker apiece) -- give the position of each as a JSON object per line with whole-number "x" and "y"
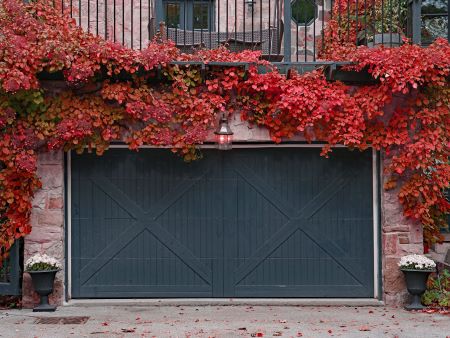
{"x": 224, "y": 135}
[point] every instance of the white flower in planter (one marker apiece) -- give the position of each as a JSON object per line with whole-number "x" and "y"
{"x": 416, "y": 262}
{"x": 42, "y": 263}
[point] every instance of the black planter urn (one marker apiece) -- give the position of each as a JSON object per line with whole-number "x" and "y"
{"x": 43, "y": 284}
{"x": 416, "y": 283}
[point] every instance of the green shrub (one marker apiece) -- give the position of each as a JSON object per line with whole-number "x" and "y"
{"x": 438, "y": 290}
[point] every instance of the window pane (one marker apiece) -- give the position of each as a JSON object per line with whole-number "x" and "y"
{"x": 201, "y": 15}
{"x": 172, "y": 14}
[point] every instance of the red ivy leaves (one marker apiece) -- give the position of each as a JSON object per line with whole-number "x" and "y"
{"x": 37, "y": 37}
{"x": 181, "y": 112}
{"x": 406, "y": 68}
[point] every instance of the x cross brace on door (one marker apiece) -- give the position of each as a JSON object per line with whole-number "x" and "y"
{"x": 146, "y": 220}
{"x": 297, "y": 220}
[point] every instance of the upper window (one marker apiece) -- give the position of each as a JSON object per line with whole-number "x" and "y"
{"x": 189, "y": 14}
{"x": 172, "y": 11}
{"x": 200, "y": 15}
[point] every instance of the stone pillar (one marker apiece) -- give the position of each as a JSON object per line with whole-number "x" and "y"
{"x": 400, "y": 236}
{"x": 47, "y": 220}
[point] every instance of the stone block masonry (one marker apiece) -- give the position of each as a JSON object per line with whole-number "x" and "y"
{"x": 47, "y": 220}
{"x": 399, "y": 237}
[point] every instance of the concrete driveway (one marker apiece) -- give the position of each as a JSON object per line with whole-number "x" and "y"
{"x": 223, "y": 321}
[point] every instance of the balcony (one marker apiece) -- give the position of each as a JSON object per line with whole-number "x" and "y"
{"x": 283, "y": 30}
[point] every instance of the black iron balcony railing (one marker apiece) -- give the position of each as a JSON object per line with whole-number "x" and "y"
{"x": 283, "y": 30}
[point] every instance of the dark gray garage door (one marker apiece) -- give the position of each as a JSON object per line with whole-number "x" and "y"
{"x": 273, "y": 222}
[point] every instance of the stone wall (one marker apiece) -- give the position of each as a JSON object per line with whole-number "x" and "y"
{"x": 47, "y": 219}
{"x": 441, "y": 252}
{"x": 123, "y": 24}
{"x": 399, "y": 237}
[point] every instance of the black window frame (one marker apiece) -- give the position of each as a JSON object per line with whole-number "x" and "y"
{"x": 187, "y": 13}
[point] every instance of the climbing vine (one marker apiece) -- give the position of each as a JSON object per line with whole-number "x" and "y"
{"x": 62, "y": 88}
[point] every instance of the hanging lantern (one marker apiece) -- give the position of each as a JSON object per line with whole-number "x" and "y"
{"x": 224, "y": 135}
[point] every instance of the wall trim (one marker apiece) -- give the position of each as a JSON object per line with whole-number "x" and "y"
{"x": 376, "y": 222}
{"x": 69, "y": 226}
{"x": 226, "y": 302}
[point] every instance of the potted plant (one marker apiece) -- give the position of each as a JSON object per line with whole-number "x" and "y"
{"x": 416, "y": 269}
{"x": 42, "y": 270}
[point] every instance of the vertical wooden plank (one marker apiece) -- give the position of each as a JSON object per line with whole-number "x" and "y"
{"x": 230, "y": 215}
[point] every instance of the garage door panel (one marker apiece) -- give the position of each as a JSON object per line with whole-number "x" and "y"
{"x": 146, "y": 179}
{"x": 319, "y": 192}
{"x": 298, "y": 219}
{"x": 247, "y": 223}
{"x": 350, "y": 235}
{"x": 97, "y": 233}
{"x": 123, "y": 261}
{"x": 143, "y": 291}
{"x": 256, "y": 220}
{"x": 290, "y": 171}
{"x": 90, "y": 201}
{"x": 356, "y": 266}
{"x": 358, "y": 201}
{"x": 101, "y": 220}
{"x": 301, "y": 261}
{"x": 305, "y": 291}
{"x": 298, "y": 272}
{"x": 145, "y": 261}
{"x": 199, "y": 236}
{"x": 195, "y": 219}
{"x": 145, "y": 219}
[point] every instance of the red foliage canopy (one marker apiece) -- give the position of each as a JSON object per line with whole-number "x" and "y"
{"x": 143, "y": 98}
